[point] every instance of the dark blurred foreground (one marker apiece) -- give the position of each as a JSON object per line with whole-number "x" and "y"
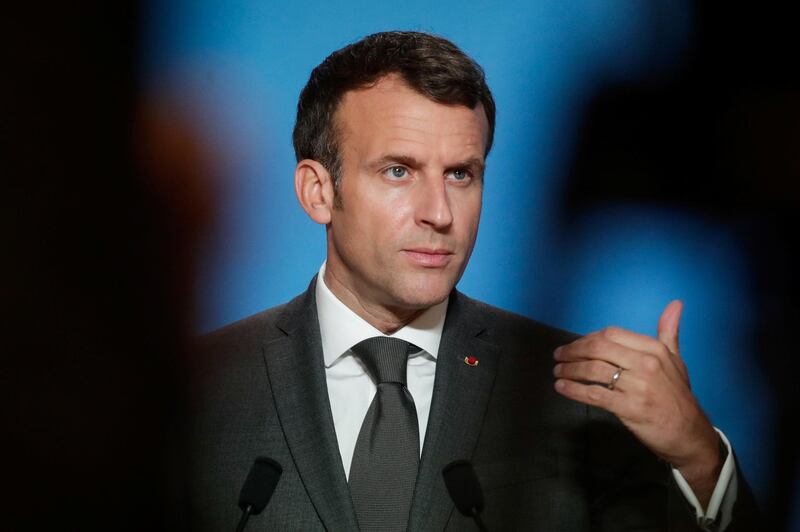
{"x": 102, "y": 206}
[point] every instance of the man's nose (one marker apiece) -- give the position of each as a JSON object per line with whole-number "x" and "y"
{"x": 433, "y": 204}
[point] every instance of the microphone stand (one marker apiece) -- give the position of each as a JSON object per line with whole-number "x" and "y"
{"x": 245, "y": 517}
{"x": 478, "y": 521}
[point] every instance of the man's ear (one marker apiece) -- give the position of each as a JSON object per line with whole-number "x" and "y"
{"x": 314, "y": 188}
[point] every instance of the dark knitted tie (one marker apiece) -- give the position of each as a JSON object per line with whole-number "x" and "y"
{"x": 386, "y": 457}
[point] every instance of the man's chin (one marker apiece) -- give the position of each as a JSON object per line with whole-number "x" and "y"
{"x": 424, "y": 303}
{"x": 424, "y": 297}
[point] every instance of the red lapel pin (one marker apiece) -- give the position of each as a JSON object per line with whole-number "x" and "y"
{"x": 470, "y": 361}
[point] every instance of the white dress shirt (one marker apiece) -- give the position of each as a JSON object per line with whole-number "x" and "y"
{"x": 350, "y": 389}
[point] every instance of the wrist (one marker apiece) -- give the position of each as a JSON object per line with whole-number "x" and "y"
{"x": 702, "y": 470}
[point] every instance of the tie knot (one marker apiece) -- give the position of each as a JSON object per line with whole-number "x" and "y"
{"x": 385, "y": 358}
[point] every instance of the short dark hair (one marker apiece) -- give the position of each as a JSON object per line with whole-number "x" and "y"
{"x": 431, "y": 65}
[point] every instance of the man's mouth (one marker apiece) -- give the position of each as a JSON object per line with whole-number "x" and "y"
{"x": 429, "y": 257}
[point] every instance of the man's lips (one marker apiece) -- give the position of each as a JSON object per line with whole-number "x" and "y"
{"x": 430, "y": 258}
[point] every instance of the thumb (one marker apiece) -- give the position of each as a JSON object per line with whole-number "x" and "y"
{"x": 668, "y": 325}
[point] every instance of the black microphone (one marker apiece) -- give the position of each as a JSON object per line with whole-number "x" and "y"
{"x": 465, "y": 490}
{"x": 258, "y": 487}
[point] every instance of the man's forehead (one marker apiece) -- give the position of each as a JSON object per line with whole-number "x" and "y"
{"x": 391, "y": 107}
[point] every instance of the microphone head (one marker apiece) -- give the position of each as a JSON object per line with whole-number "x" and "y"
{"x": 463, "y": 486}
{"x": 260, "y": 483}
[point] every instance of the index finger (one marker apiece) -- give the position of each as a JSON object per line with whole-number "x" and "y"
{"x": 597, "y": 347}
{"x": 632, "y": 340}
{"x": 647, "y": 344}
{"x": 639, "y": 343}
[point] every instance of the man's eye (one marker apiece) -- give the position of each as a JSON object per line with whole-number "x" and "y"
{"x": 396, "y": 172}
{"x": 459, "y": 174}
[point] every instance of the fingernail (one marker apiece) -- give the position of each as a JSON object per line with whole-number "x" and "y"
{"x": 556, "y": 353}
{"x": 557, "y": 369}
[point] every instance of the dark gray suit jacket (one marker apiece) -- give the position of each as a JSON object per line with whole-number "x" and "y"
{"x": 544, "y": 462}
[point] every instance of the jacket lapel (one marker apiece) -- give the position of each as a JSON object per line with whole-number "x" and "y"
{"x": 460, "y": 398}
{"x": 297, "y": 379}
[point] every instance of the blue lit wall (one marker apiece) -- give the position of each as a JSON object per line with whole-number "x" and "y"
{"x": 238, "y": 66}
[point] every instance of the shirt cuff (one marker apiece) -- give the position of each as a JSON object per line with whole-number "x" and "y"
{"x": 722, "y": 498}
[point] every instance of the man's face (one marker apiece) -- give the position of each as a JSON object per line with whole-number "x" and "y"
{"x": 411, "y": 188}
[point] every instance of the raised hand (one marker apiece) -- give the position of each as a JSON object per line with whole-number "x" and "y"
{"x": 650, "y": 394}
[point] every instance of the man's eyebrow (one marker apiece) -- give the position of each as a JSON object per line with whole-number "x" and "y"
{"x": 395, "y": 158}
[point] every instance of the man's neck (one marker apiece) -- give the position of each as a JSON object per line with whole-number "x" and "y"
{"x": 386, "y": 320}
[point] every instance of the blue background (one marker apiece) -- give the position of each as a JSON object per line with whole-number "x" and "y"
{"x": 237, "y": 67}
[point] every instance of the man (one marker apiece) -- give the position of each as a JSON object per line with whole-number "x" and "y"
{"x": 391, "y": 138}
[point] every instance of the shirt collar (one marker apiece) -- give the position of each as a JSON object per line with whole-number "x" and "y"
{"x": 341, "y": 328}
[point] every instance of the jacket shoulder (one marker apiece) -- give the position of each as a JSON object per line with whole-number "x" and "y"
{"x": 256, "y": 329}
{"x": 247, "y": 331}
{"x": 238, "y": 347}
